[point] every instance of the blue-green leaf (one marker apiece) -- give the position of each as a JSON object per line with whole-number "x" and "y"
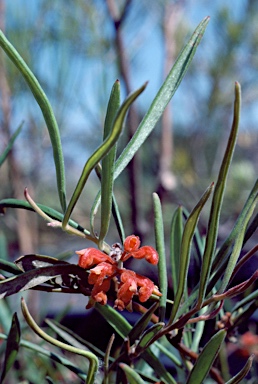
{"x": 160, "y": 247}
{"x": 132, "y": 376}
{"x": 176, "y": 233}
{"x": 218, "y": 199}
{"x": 47, "y": 112}
{"x": 162, "y": 99}
{"x": 186, "y": 244}
{"x": 101, "y": 151}
{"x": 107, "y": 175}
{"x": 206, "y": 358}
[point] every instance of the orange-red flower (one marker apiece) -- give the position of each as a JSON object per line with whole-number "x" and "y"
{"x": 131, "y": 243}
{"x": 92, "y": 256}
{"x": 130, "y": 281}
{"x": 106, "y": 268}
{"x": 132, "y": 248}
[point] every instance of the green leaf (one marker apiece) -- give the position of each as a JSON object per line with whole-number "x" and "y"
{"x": 115, "y": 211}
{"x": 117, "y": 321}
{"x": 16, "y": 203}
{"x": 107, "y": 176}
{"x": 206, "y": 358}
{"x": 241, "y": 374}
{"x": 51, "y": 355}
{"x": 132, "y": 376}
{"x": 9, "y": 267}
{"x": 176, "y": 233}
{"x": 221, "y": 259}
{"x": 217, "y": 200}
{"x": 91, "y": 357}
{"x": 47, "y": 112}
{"x": 236, "y": 249}
{"x": 153, "y": 360}
{"x": 10, "y": 144}
{"x": 186, "y": 244}
{"x": 141, "y": 324}
{"x": 148, "y": 335}
{"x": 160, "y": 247}
{"x": 162, "y": 99}
{"x": 101, "y": 151}
{"x": 12, "y": 346}
{"x": 123, "y": 328}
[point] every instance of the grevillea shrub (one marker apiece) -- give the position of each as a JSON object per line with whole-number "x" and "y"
{"x": 169, "y": 342}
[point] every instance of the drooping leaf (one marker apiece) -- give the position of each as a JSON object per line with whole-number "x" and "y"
{"x": 12, "y": 346}
{"x": 206, "y": 358}
{"x": 47, "y": 112}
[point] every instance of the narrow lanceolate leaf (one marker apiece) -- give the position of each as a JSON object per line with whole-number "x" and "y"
{"x": 160, "y": 247}
{"x": 218, "y": 199}
{"x": 187, "y": 237}
{"x": 132, "y": 376}
{"x": 176, "y": 233}
{"x": 117, "y": 321}
{"x": 148, "y": 335}
{"x": 140, "y": 326}
{"x": 107, "y": 176}
{"x": 241, "y": 374}
{"x": 47, "y": 112}
{"x": 162, "y": 99}
{"x": 12, "y": 346}
{"x": 221, "y": 257}
{"x": 154, "y": 362}
{"x": 236, "y": 249}
{"x": 55, "y": 215}
{"x": 206, "y": 358}
{"x": 10, "y": 144}
{"x": 101, "y": 151}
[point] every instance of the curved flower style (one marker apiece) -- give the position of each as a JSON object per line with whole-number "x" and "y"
{"x": 106, "y": 268}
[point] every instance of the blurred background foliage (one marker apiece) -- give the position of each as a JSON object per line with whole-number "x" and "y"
{"x": 77, "y": 49}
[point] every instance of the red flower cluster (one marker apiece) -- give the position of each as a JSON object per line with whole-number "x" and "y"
{"x": 106, "y": 268}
